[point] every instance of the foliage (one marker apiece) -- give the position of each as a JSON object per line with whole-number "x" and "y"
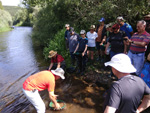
{"x": 5, "y": 20}
{"x": 80, "y": 14}
{"x": 58, "y": 44}
{"x": 12, "y": 9}
{"x": 1, "y": 6}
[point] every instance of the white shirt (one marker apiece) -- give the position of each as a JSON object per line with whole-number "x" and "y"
{"x": 91, "y": 38}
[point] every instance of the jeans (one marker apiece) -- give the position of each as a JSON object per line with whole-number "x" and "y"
{"x": 137, "y": 60}
{"x": 36, "y": 100}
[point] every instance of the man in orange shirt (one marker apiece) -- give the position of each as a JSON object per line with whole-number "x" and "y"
{"x": 41, "y": 81}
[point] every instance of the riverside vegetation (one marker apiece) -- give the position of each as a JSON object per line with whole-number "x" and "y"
{"x": 50, "y": 16}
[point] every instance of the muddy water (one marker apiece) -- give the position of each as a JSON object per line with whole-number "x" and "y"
{"x": 18, "y": 60}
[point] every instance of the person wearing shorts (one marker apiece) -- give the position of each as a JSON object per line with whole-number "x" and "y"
{"x": 91, "y": 35}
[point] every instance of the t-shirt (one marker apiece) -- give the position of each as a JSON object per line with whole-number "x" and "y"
{"x": 40, "y": 81}
{"x": 127, "y": 29}
{"x": 82, "y": 44}
{"x": 58, "y": 58}
{"x": 145, "y": 37}
{"x": 67, "y": 32}
{"x": 125, "y": 94}
{"x": 116, "y": 41}
{"x": 91, "y": 38}
{"x": 73, "y": 41}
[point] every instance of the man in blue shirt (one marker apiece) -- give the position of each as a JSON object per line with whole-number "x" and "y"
{"x": 125, "y": 27}
{"x": 67, "y": 34}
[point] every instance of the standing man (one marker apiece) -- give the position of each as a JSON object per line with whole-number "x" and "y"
{"x": 101, "y": 29}
{"x": 138, "y": 45}
{"x": 127, "y": 28}
{"x": 67, "y": 33}
{"x": 41, "y": 81}
{"x": 73, "y": 41}
{"x": 125, "y": 95}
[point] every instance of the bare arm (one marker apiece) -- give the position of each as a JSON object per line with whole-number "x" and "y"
{"x": 53, "y": 98}
{"x": 109, "y": 109}
{"x": 145, "y": 103}
{"x": 84, "y": 50}
{"x": 51, "y": 65}
{"x": 125, "y": 46}
{"x": 76, "y": 48}
{"x": 107, "y": 47}
{"x": 104, "y": 39}
{"x": 137, "y": 43}
{"x": 58, "y": 65}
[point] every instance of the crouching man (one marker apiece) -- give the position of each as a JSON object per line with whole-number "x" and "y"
{"x": 41, "y": 81}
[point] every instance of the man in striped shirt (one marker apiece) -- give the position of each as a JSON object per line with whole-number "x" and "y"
{"x": 138, "y": 42}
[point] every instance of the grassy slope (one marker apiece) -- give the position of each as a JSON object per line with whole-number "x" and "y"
{"x": 12, "y": 9}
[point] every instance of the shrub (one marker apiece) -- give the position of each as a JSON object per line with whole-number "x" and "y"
{"x": 58, "y": 44}
{"x": 5, "y": 20}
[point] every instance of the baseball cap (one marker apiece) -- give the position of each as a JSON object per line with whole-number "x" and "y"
{"x": 67, "y": 25}
{"x": 122, "y": 63}
{"x": 82, "y": 32}
{"x": 120, "y": 18}
{"x": 102, "y": 19}
{"x": 92, "y": 27}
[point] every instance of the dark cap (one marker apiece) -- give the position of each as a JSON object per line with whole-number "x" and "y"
{"x": 71, "y": 29}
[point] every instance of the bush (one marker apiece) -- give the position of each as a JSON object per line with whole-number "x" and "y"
{"x": 58, "y": 44}
{"x": 5, "y": 20}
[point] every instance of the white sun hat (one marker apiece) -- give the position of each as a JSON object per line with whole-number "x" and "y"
{"x": 122, "y": 63}
{"x": 59, "y": 72}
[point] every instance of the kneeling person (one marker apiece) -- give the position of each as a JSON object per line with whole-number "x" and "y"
{"x": 57, "y": 61}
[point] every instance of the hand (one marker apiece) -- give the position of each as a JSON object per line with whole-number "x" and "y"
{"x": 57, "y": 107}
{"x": 137, "y": 111}
{"x": 101, "y": 44}
{"x": 83, "y": 54}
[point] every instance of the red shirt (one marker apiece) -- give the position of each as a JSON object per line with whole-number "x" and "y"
{"x": 57, "y": 59}
{"x": 40, "y": 81}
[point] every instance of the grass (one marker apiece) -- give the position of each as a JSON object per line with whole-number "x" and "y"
{"x": 5, "y": 29}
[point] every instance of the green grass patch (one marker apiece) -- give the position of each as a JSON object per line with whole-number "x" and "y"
{"x": 5, "y": 29}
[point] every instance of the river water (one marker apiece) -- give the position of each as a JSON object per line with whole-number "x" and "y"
{"x": 18, "y": 60}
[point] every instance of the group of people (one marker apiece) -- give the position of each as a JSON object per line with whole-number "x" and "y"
{"x": 130, "y": 94}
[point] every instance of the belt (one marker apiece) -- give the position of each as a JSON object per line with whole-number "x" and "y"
{"x": 136, "y": 52}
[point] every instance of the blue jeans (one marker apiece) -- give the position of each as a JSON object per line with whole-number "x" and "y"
{"x": 137, "y": 61}
{"x": 112, "y": 53}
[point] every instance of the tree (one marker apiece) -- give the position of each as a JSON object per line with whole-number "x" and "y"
{"x": 1, "y": 6}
